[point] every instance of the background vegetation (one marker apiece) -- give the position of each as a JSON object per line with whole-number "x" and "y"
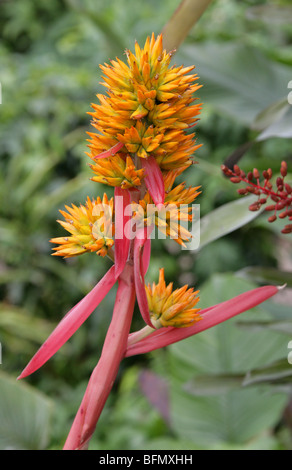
{"x": 229, "y": 387}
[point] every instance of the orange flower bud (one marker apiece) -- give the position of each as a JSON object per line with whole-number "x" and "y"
{"x": 170, "y": 307}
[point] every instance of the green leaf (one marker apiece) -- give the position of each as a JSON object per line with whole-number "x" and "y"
{"x": 275, "y": 373}
{"x": 263, "y": 442}
{"x": 24, "y": 416}
{"x": 266, "y": 275}
{"x": 280, "y": 326}
{"x": 270, "y": 115}
{"x": 204, "y": 385}
{"x": 237, "y": 79}
{"x": 226, "y": 219}
{"x": 231, "y": 415}
{"x": 169, "y": 444}
{"x": 281, "y": 127}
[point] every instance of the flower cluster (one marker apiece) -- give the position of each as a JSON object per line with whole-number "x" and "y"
{"x": 148, "y": 107}
{"x": 90, "y": 228}
{"x": 280, "y": 193}
{"x": 170, "y": 307}
{"x": 142, "y": 144}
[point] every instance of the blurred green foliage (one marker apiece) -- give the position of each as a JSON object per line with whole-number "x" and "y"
{"x": 49, "y": 56}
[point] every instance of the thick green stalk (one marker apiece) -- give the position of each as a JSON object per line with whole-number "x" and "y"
{"x": 183, "y": 19}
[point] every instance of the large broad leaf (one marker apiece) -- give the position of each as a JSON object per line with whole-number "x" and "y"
{"x": 234, "y": 415}
{"x": 266, "y": 275}
{"x": 281, "y": 326}
{"x": 226, "y": 219}
{"x": 277, "y": 373}
{"x": 271, "y": 114}
{"x": 281, "y": 127}
{"x": 24, "y": 416}
{"x": 237, "y": 79}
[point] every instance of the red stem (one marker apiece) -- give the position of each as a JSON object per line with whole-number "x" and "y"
{"x": 104, "y": 374}
{"x": 267, "y": 191}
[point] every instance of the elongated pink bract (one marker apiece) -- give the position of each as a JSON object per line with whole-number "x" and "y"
{"x": 122, "y": 242}
{"x": 139, "y": 271}
{"x": 104, "y": 374}
{"x": 111, "y": 152}
{"x": 70, "y": 323}
{"x": 210, "y": 317}
{"x": 146, "y": 255}
{"x": 154, "y": 180}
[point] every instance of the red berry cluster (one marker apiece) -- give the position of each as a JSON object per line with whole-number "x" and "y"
{"x": 281, "y": 195}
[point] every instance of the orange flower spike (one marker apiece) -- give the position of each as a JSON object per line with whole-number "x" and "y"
{"x": 171, "y": 308}
{"x": 132, "y": 174}
{"x": 141, "y": 140}
{"x": 182, "y": 195}
{"x": 148, "y": 96}
{"x": 117, "y": 171}
{"x": 90, "y": 226}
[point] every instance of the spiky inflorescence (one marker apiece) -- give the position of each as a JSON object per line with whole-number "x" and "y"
{"x": 143, "y": 139}
{"x": 170, "y": 307}
{"x": 145, "y": 116}
{"x": 90, "y": 226}
{"x": 148, "y": 108}
{"x": 174, "y": 216}
{"x": 117, "y": 171}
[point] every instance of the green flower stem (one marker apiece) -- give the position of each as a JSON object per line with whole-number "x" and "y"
{"x": 111, "y": 254}
{"x": 183, "y": 19}
{"x": 138, "y": 335}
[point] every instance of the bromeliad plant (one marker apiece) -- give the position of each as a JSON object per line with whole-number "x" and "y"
{"x": 143, "y": 143}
